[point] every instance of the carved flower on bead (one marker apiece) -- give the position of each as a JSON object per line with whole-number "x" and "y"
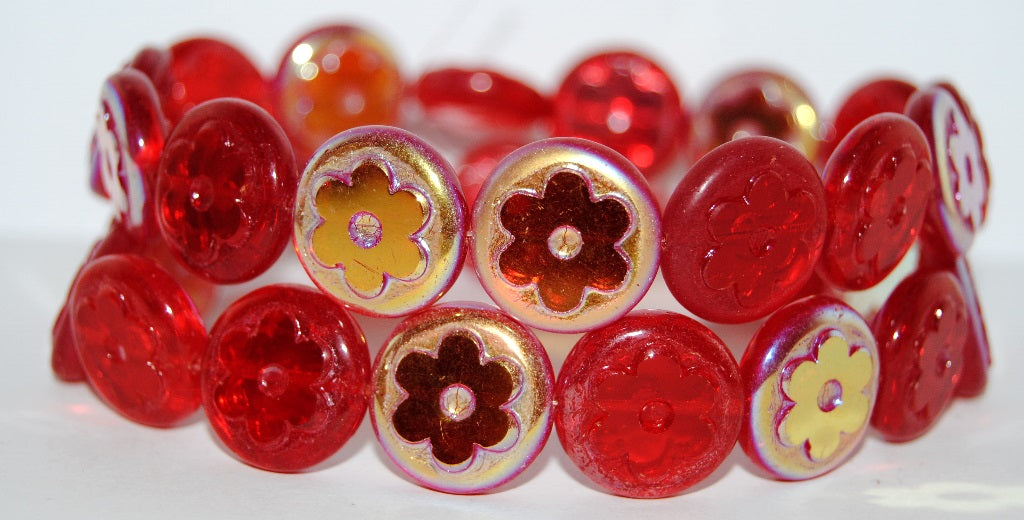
{"x": 275, "y": 379}
{"x": 660, "y": 403}
{"x": 368, "y": 228}
{"x": 762, "y": 235}
{"x": 891, "y": 209}
{"x": 938, "y": 340}
{"x": 206, "y": 210}
{"x": 455, "y": 401}
{"x": 828, "y": 395}
{"x": 564, "y": 242}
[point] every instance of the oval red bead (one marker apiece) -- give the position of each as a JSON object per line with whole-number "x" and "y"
{"x": 921, "y": 331}
{"x": 139, "y": 338}
{"x": 332, "y": 79}
{"x": 479, "y": 163}
{"x": 285, "y": 378}
{"x": 961, "y": 172}
{"x": 626, "y": 102}
{"x": 479, "y": 100}
{"x": 878, "y": 185}
{"x": 874, "y": 97}
{"x": 226, "y": 190}
{"x": 127, "y": 141}
{"x": 649, "y": 405}
{"x": 198, "y": 70}
{"x": 743, "y": 230}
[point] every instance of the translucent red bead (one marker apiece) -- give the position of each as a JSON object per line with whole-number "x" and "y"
{"x": 921, "y": 330}
{"x": 873, "y": 97}
{"x": 627, "y": 103}
{"x": 226, "y": 190}
{"x": 332, "y": 79}
{"x": 878, "y": 185}
{"x": 649, "y": 405}
{"x": 743, "y": 230}
{"x": 139, "y": 338}
{"x": 284, "y": 380}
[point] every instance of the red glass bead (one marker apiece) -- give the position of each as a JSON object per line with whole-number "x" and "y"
{"x": 332, "y": 79}
{"x": 200, "y": 69}
{"x": 649, "y": 405}
{"x": 139, "y": 338}
{"x": 921, "y": 331}
{"x": 478, "y": 165}
{"x": 479, "y": 101}
{"x": 626, "y": 102}
{"x": 757, "y": 102}
{"x": 961, "y": 173}
{"x": 873, "y": 97}
{"x": 878, "y": 185}
{"x": 285, "y": 378}
{"x": 743, "y": 230}
{"x": 226, "y": 189}
{"x": 127, "y": 143}
{"x": 811, "y": 380}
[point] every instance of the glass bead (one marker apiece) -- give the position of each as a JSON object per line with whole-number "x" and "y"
{"x": 626, "y": 102}
{"x": 757, "y": 102}
{"x": 921, "y": 330}
{"x": 565, "y": 235}
{"x": 332, "y": 79}
{"x": 379, "y": 221}
{"x": 462, "y": 398}
{"x": 139, "y": 339}
{"x": 743, "y": 230}
{"x": 200, "y": 69}
{"x": 811, "y": 377}
{"x": 961, "y": 172}
{"x": 479, "y": 163}
{"x": 874, "y": 97}
{"x": 878, "y": 185}
{"x": 225, "y": 190}
{"x": 649, "y": 405}
{"x": 470, "y": 103}
{"x": 127, "y": 142}
{"x": 285, "y": 379}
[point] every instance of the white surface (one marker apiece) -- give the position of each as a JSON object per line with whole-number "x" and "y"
{"x": 64, "y": 454}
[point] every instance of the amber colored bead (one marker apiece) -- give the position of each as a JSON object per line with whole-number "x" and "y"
{"x": 743, "y": 230}
{"x": 757, "y": 102}
{"x": 649, "y": 405}
{"x": 874, "y": 97}
{"x": 332, "y": 79}
{"x": 225, "y": 190}
{"x": 921, "y": 332}
{"x": 479, "y": 101}
{"x": 285, "y": 378}
{"x": 139, "y": 338}
{"x": 626, "y": 102}
{"x": 878, "y": 184}
{"x": 197, "y": 70}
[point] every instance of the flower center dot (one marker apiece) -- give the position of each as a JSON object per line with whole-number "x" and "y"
{"x": 830, "y": 396}
{"x": 273, "y": 380}
{"x": 656, "y": 416}
{"x": 457, "y": 402}
{"x": 364, "y": 229}
{"x": 565, "y": 242}
{"x": 201, "y": 193}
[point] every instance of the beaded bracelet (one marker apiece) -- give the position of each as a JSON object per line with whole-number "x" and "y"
{"x": 197, "y": 153}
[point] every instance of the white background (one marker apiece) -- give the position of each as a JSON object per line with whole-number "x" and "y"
{"x": 64, "y": 454}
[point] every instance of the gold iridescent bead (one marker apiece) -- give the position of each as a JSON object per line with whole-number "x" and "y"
{"x": 566, "y": 235}
{"x": 379, "y": 221}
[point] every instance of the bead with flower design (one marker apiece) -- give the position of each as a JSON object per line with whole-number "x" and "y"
{"x": 462, "y": 398}
{"x": 811, "y": 376}
{"x": 649, "y": 405}
{"x": 379, "y": 221}
{"x": 285, "y": 377}
{"x": 565, "y": 235}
